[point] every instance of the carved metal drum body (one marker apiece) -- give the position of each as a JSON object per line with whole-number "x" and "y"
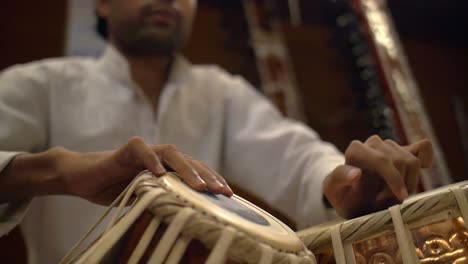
{"x": 171, "y": 223}
{"x": 427, "y": 228}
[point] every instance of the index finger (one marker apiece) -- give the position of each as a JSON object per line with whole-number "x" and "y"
{"x": 423, "y": 150}
{"x": 362, "y": 156}
{"x": 177, "y": 161}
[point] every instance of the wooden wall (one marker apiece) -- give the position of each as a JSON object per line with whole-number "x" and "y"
{"x": 440, "y": 71}
{"x": 31, "y": 30}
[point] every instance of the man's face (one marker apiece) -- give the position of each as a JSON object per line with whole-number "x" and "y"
{"x": 148, "y": 27}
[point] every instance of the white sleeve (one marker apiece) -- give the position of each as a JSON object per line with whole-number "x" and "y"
{"x": 23, "y": 127}
{"x": 282, "y": 161}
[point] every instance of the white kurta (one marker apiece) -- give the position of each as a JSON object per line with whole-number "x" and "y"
{"x": 91, "y": 105}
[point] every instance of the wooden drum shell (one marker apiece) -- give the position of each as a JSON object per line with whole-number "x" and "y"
{"x": 171, "y": 223}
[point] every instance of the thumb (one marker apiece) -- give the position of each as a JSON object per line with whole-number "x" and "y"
{"x": 339, "y": 180}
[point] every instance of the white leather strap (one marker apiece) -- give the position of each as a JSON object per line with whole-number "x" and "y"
{"x": 310, "y": 255}
{"x": 68, "y": 257}
{"x": 462, "y": 204}
{"x": 110, "y": 238}
{"x": 338, "y": 249}
{"x": 293, "y": 259}
{"x": 404, "y": 238}
{"x": 219, "y": 252}
{"x": 145, "y": 240}
{"x": 178, "y": 250}
{"x": 128, "y": 193}
{"x": 349, "y": 253}
{"x": 267, "y": 255}
{"x": 170, "y": 236}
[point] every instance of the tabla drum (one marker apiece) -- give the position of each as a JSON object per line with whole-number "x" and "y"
{"x": 171, "y": 223}
{"x": 427, "y": 228}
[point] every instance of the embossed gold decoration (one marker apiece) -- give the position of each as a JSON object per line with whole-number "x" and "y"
{"x": 427, "y": 228}
{"x": 443, "y": 242}
{"x": 439, "y": 243}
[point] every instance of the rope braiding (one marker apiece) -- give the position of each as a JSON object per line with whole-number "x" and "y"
{"x": 319, "y": 239}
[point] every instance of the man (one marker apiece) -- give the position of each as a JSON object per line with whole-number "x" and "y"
{"x": 77, "y": 115}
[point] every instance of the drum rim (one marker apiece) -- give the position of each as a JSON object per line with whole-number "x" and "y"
{"x": 287, "y": 241}
{"x": 318, "y": 238}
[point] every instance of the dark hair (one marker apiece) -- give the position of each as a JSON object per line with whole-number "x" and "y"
{"x": 101, "y": 26}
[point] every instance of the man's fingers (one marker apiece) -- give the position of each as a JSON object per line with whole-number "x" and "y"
{"x": 212, "y": 178}
{"x": 177, "y": 161}
{"x": 138, "y": 154}
{"x": 360, "y": 155}
{"x": 227, "y": 189}
{"x": 407, "y": 164}
{"x": 340, "y": 180}
{"x": 215, "y": 185}
{"x": 423, "y": 151}
{"x": 343, "y": 176}
{"x": 142, "y": 153}
{"x": 384, "y": 200}
{"x": 410, "y": 163}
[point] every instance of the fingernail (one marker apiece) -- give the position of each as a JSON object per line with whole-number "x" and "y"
{"x": 199, "y": 178}
{"x": 160, "y": 170}
{"x": 231, "y": 192}
{"x": 353, "y": 173}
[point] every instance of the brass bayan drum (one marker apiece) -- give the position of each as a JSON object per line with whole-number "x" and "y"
{"x": 171, "y": 223}
{"x": 427, "y": 228}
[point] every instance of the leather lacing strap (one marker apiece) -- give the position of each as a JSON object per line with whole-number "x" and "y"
{"x": 349, "y": 253}
{"x": 219, "y": 252}
{"x": 462, "y": 204}
{"x": 128, "y": 193}
{"x": 404, "y": 238}
{"x": 310, "y": 255}
{"x": 145, "y": 240}
{"x": 68, "y": 257}
{"x": 293, "y": 259}
{"x": 108, "y": 240}
{"x": 338, "y": 249}
{"x": 267, "y": 255}
{"x": 344, "y": 253}
{"x": 178, "y": 250}
{"x": 173, "y": 231}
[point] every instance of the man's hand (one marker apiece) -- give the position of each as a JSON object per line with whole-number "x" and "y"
{"x": 101, "y": 176}
{"x": 377, "y": 174}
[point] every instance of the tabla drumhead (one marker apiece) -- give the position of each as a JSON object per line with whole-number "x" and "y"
{"x": 169, "y": 220}
{"x": 237, "y": 212}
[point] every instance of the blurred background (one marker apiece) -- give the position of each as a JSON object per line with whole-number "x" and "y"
{"x": 433, "y": 35}
{"x": 322, "y": 52}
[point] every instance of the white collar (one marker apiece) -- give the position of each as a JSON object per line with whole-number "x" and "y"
{"x": 115, "y": 64}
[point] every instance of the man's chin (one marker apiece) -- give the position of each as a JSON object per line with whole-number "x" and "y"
{"x": 158, "y": 30}
{"x": 150, "y": 47}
